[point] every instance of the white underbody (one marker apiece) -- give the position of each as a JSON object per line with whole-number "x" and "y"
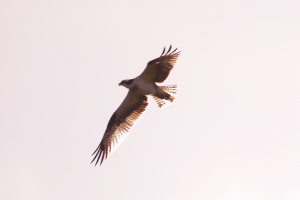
{"x": 143, "y": 87}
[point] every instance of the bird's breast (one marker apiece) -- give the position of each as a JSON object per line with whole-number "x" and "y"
{"x": 145, "y": 87}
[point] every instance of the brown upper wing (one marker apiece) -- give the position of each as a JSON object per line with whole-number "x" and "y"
{"x": 159, "y": 69}
{"x": 120, "y": 124}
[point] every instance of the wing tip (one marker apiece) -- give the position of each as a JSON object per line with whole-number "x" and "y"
{"x": 169, "y": 52}
{"x": 99, "y": 154}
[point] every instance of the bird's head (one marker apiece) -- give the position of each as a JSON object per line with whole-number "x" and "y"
{"x": 126, "y": 83}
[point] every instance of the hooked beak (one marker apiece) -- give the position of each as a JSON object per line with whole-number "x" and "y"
{"x": 120, "y": 84}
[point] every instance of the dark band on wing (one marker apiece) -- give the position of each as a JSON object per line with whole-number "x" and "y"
{"x": 164, "y": 64}
{"x": 117, "y": 128}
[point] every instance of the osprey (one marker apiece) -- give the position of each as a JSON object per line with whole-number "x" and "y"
{"x": 136, "y": 101}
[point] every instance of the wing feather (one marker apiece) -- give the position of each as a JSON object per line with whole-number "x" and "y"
{"x": 120, "y": 124}
{"x": 163, "y": 51}
{"x": 158, "y": 70}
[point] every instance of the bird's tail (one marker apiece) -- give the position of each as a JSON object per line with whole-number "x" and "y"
{"x": 165, "y": 95}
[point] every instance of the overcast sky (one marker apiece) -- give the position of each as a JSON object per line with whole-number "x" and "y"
{"x": 233, "y": 132}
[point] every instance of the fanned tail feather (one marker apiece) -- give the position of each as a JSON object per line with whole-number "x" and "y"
{"x": 172, "y": 90}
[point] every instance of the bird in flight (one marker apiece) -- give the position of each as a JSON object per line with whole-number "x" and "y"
{"x": 136, "y": 101}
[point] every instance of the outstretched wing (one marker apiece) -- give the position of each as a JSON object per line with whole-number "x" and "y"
{"x": 120, "y": 124}
{"x": 159, "y": 69}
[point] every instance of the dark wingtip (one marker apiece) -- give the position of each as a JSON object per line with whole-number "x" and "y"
{"x": 163, "y": 51}
{"x": 169, "y": 49}
{"x": 97, "y": 154}
{"x": 174, "y": 51}
{"x": 98, "y": 158}
{"x": 96, "y": 150}
{"x": 94, "y": 159}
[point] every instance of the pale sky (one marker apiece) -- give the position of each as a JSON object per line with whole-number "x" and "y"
{"x": 233, "y": 133}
